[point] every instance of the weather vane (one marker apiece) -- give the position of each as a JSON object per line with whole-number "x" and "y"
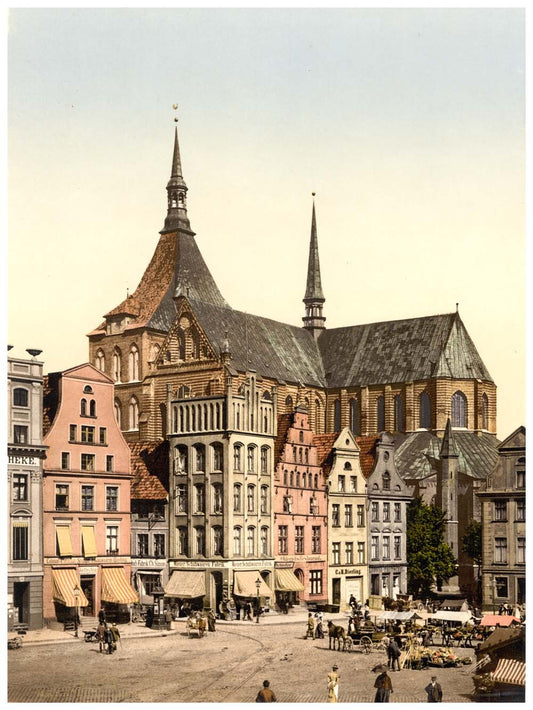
{"x": 175, "y": 107}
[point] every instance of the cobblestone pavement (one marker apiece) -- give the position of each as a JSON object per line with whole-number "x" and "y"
{"x": 228, "y": 666}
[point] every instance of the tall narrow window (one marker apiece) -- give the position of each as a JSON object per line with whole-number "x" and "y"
{"x": 112, "y": 540}
{"x": 99, "y": 360}
{"x": 118, "y": 414}
{"x": 237, "y": 497}
{"x": 83, "y": 407}
{"x": 264, "y": 500}
{"x": 521, "y": 473}
{"x": 500, "y": 550}
{"x": 199, "y": 498}
{"x": 111, "y": 498}
{"x": 61, "y": 496}
{"x": 380, "y": 413}
{"x": 250, "y": 544}
{"x": 218, "y": 540}
{"x": 355, "y": 425}
{"x": 459, "y": 410}
{"x": 424, "y": 405}
{"x": 199, "y": 534}
{"x": 134, "y": 363}
{"x": 251, "y": 458}
{"x": 398, "y": 413}
{"x": 250, "y": 496}
{"x": 116, "y": 364}
{"x": 20, "y": 486}
{"x": 299, "y": 539}
{"x": 217, "y": 498}
{"x": 282, "y": 539}
{"x": 182, "y": 541}
{"x": 484, "y": 412}
{"x": 315, "y": 539}
{"x": 20, "y": 397}
{"x": 20, "y": 540}
{"x": 237, "y": 541}
{"x": 87, "y": 497}
{"x": 337, "y": 415}
{"x": 237, "y": 457}
{"x": 134, "y": 414}
{"x": 218, "y": 457}
{"x": 264, "y": 459}
{"x": 264, "y": 541}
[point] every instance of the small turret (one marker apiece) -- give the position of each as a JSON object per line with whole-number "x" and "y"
{"x": 176, "y": 195}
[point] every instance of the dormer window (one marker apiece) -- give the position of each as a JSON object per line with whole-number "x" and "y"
{"x": 386, "y": 481}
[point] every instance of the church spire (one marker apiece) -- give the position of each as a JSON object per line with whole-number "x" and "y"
{"x": 314, "y": 298}
{"x": 176, "y": 194}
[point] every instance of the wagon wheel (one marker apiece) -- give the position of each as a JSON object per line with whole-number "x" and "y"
{"x": 366, "y": 643}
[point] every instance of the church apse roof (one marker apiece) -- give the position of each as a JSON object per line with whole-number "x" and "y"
{"x": 400, "y": 351}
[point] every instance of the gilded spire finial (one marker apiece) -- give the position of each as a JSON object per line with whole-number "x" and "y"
{"x": 175, "y": 107}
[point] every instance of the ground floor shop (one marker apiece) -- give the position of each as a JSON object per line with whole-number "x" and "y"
{"x": 503, "y": 587}
{"x": 148, "y": 576}
{"x": 388, "y": 580}
{"x": 345, "y": 582}
{"x": 25, "y": 600}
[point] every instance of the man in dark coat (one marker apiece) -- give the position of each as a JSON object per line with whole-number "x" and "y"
{"x": 384, "y": 687}
{"x": 394, "y": 652}
{"x": 434, "y": 691}
{"x": 265, "y": 695}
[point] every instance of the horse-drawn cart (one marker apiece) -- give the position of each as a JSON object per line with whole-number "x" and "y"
{"x": 368, "y": 638}
{"x": 196, "y": 625}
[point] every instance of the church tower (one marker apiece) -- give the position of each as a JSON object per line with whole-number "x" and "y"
{"x": 177, "y": 195}
{"x": 449, "y": 486}
{"x": 314, "y": 298}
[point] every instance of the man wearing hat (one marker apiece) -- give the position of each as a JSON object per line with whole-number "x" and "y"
{"x": 333, "y": 685}
{"x": 434, "y": 691}
{"x": 383, "y": 685}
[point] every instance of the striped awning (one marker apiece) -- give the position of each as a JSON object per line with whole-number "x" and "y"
{"x": 63, "y": 540}
{"x": 244, "y": 584}
{"x": 64, "y": 582}
{"x": 510, "y": 671}
{"x": 89, "y": 541}
{"x": 287, "y": 581}
{"x": 116, "y": 588}
{"x": 185, "y": 584}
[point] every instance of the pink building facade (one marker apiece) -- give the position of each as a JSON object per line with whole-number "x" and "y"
{"x": 300, "y": 513}
{"x": 86, "y": 499}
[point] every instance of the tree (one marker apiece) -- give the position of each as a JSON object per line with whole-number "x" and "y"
{"x": 429, "y": 558}
{"x": 472, "y": 546}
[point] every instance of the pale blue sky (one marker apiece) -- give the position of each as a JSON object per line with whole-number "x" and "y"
{"x": 409, "y": 125}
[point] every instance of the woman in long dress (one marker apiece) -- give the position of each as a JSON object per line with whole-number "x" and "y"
{"x": 333, "y": 685}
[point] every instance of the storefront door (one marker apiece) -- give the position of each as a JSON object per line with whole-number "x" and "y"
{"x": 87, "y": 586}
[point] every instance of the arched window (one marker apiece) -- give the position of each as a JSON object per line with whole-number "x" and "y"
{"x": 386, "y": 481}
{"x": 264, "y": 499}
{"x": 337, "y": 415}
{"x": 289, "y": 403}
{"x": 118, "y": 413}
{"x": 380, "y": 413}
{"x": 424, "y": 409}
{"x": 116, "y": 364}
{"x": 484, "y": 411}
{"x": 134, "y": 413}
{"x": 459, "y": 409}
{"x": 355, "y": 424}
{"x": 251, "y": 458}
{"x": 199, "y": 534}
{"x": 200, "y": 457}
{"x": 20, "y": 397}
{"x": 134, "y": 363}
{"x": 218, "y": 505}
{"x": 250, "y": 542}
{"x": 237, "y": 497}
{"x": 99, "y": 360}
{"x": 218, "y": 540}
{"x": 92, "y": 408}
{"x": 181, "y": 344}
{"x": 218, "y": 457}
{"x": 264, "y": 459}
{"x": 398, "y": 413}
{"x": 237, "y": 541}
{"x": 319, "y": 425}
{"x": 237, "y": 457}
{"x": 264, "y": 541}
{"x": 83, "y": 407}
{"x": 250, "y": 498}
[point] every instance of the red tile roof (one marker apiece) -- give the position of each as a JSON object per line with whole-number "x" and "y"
{"x": 324, "y": 444}
{"x": 149, "y": 466}
{"x": 367, "y": 457}
{"x": 284, "y": 423}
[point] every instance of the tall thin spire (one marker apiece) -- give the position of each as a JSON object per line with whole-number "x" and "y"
{"x": 314, "y": 297}
{"x": 176, "y": 193}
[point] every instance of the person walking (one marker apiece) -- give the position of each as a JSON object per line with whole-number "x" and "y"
{"x": 115, "y": 633}
{"x": 394, "y": 653}
{"x": 211, "y": 620}
{"x": 310, "y": 627}
{"x": 434, "y": 691}
{"x": 101, "y": 616}
{"x": 108, "y": 636}
{"x": 383, "y": 686}
{"x": 265, "y": 695}
{"x": 319, "y": 630}
{"x": 100, "y": 635}
{"x": 333, "y": 685}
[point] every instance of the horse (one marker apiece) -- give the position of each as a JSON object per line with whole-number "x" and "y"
{"x": 336, "y": 633}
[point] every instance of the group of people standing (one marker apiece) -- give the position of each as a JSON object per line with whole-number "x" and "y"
{"x": 108, "y": 636}
{"x": 315, "y": 626}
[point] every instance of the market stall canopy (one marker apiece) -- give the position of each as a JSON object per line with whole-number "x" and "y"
{"x": 63, "y": 583}
{"x": 185, "y": 584}
{"x": 116, "y": 588}
{"x": 510, "y": 671}
{"x": 244, "y": 584}
{"x": 398, "y": 616}
{"x": 287, "y": 581}
{"x": 462, "y": 616}
{"x": 499, "y": 620}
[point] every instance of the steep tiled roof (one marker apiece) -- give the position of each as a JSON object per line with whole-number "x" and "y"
{"x": 418, "y": 455}
{"x": 367, "y": 457}
{"x": 149, "y": 466}
{"x": 50, "y": 399}
{"x": 284, "y": 423}
{"x": 324, "y": 444}
{"x": 273, "y": 349}
{"x": 400, "y": 351}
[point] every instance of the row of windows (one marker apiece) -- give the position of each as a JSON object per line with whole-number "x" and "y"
{"x": 348, "y": 515}
{"x": 143, "y": 546}
{"x": 501, "y": 551}
{"x": 88, "y": 541}
{"x": 386, "y": 512}
{"x": 385, "y": 547}
{"x": 87, "y": 462}
{"x": 348, "y": 553}
{"x": 500, "y": 510}
{"x": 283, "y": 539}
{"x": 306, "y": 480}
{"x": 133, "y": 363}
{"x": 133, "y": 411}
{"x": 288, "y": 501}
{"x": 216, "y": 458}
{"x": 87, "y": 497}
{"x": 197, "y": 417}
{"x": 459, "y": 412}
{"x": 216, "y": 489}
{"x": 199, "y": 542}
{"x": 87, "y": 434}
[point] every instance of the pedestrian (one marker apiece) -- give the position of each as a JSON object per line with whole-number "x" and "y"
{"x": 434, "y": 691}
{"x": 101, "y": 616}
{"x": 319, "y": 630}
{"x": 248, "y": 612}
{"x": 238, "y": 609}
{"x": 211, "y": 620}
{"x": 100, "y": 635}
{"x": 384, "y": 686}
{"x": 352, "y": 601}
{"x": 115, "y": 634}
{"x": 333, "y": 685}
{"x": 310, "y": 627}
{"x": 108, "y": 636}
{"x": 265, "y": 695}
{"x": 394, "y": 653}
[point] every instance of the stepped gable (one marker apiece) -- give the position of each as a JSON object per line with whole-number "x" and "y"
{"x": 273, "y": 349}
{"x": 284, "y": 424}
{"x": 149, "y": 467}
{"x": 419, "y": 454}
{"x": 400, "y": 351}
{"x": 324, "y": 446}
{"x": 367, "y": 455}
{"x": 51, "y": 399}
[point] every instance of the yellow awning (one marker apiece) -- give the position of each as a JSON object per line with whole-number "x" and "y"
{"x": 116, "y": 588}
{"x": 63, "y": 583}
{"x": 287, "y": 581}
{"x": 89, "y": 541}
{"x": 244, "y": 584}
{"x": 63, "y": 540}
{"x": 186, "y": 584}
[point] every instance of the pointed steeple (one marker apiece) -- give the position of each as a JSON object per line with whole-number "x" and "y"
{"x": 448, "y": 447}
{"x": 314, "y": 298}
{"x": 176, "y": 195}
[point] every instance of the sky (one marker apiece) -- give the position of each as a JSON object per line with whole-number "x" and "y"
{"x": 407, "y": 123}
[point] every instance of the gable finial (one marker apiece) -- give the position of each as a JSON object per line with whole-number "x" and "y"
{"x": 457, "y": 307}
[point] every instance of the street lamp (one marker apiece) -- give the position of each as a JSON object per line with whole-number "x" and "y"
{"x": 494, "y": 589}
{"x": 257, "y": 585}
{"x": 76, "y": 592}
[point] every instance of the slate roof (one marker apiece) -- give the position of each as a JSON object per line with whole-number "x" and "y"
{"x": 176, "y": 264}
{"x": 400, "y": 351}
{"x": 418, "y": 455}
{"x": 149, "y": 467}
{"x": 273, "y": 349}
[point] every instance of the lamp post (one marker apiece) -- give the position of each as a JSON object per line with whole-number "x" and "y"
{"x": 257, "y": 585}
{"x": 494, "y": 589}
{"x": 76, "y": 592}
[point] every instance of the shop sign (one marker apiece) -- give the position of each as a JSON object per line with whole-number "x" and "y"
{"x": 148, "y": 562}
{"x": 348, "y": 570}
{"x": 24, "y": 460}
{"x": 88, "y": 570}
{"x": 254, "y": 564}
{"x": 283, "y": 565}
